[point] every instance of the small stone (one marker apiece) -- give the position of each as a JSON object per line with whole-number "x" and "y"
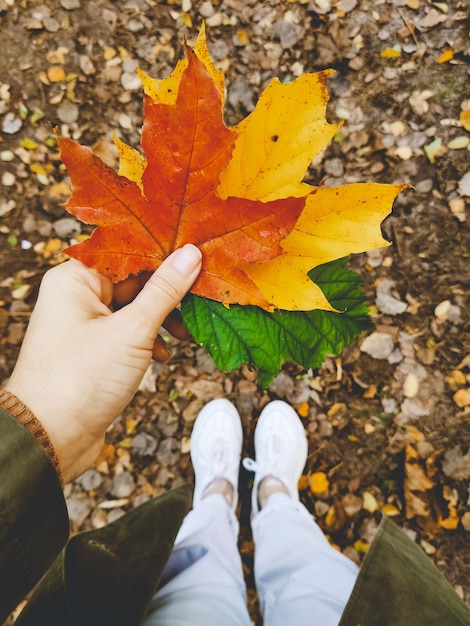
{"x": 466, "y": 521}
{"x": 457, "y": 208}
{"x": 459, "y": 143}
{"x": 11, "y": 124}
{"x": 455, "y": 464}
{"x": 288, "y": 33}
{"x": 144, "y": 444}
{"x": 334, "y": 167}
{"x": 424, "y": 186}
{"x": 86, "y": 65}
{"x": 282, "y": 385}
{"x": 130, "y": 81}
{"x": 6, "y": 206}
{"x": 123, "y": 485}
{"x": 135, "y": 26}
{"x": 411, "y": 385}
{"x": 168, "y": 451}
{"x": 6, "y": 156}
{"x": 390, "y": 305}
{"x": 442, "y": 310}
{"x": 50, "y": 24}
{"x": 8, "y": 179}
{"x": 352, "y": 504}
{"x": 67, "y": 227}
{"x": 378, "y": 345}
{"x": 90, "y": 480}
{"x": 70, "y": 5}
{"x": 464, "y": 184}
{"x": 78, "y": 509}
{"x": 68, "y": 112}
{"x": 239, "y": 94}
{"x": 206, "y": 10}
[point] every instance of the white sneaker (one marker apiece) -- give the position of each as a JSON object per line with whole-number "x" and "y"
{"x": 216, "y": 445}
{"x": 280, "y": 449}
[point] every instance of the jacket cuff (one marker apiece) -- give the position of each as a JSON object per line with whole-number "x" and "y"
{"x": 33, "y": 514}
{"x": 26, "y": 418}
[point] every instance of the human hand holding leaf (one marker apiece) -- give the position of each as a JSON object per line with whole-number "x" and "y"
{"x": 236, "y": 193}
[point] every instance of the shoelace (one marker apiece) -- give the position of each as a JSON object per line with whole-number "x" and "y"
{"x": 274, "y": 458}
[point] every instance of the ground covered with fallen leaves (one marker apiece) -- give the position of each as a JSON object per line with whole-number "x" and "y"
{"x": 389, "y": 420}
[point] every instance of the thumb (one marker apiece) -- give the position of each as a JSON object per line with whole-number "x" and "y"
{"x": 165, "y": 289}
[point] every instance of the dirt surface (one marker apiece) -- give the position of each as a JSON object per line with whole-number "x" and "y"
{"x": 389, "y": 420}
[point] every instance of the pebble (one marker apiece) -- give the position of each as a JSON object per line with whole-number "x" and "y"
{"x": 67, "y": 227}
{"x": 206, "y": 10}
{"x": 282, "y": 385}
{"x": 464, "y": 184}
{"x": 168, "y": 451}
{"x": 11, "y": 124}
{"x": 70, "y": 5}
{"x": 78, "y": 509}
{"x": 8, "y": 179}
{"x": 378, "y": 345}
{"x": 424, "y": 186}
{"x": 68, "y": 112}
{"x": 90, "y": 480}
{"x": 334, "y": 167}
{"x": 123, "y": 485}
{"x": 144, "y": 444}
{"x": 50, "y": 24}
{"x": 288, "y": 33}
{"x": 239, "y": 94}
{"x": 130, "y": 81}
{"x": 455, "y": 464}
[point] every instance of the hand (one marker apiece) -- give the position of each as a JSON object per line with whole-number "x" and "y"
{"x": 81, "y": 363}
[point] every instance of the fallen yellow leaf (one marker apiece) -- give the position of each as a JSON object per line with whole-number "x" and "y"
{"x": 369, "y": 502}
{"x": 319, "y": 483}
{"x": 361, "y": 546}
{"x": 465, "y": 119}
{"x": 390, "y": 510}
{"x": 446, "y": 56}
{"x": 451, "y": 522}
{"x": 390, "y": 53}
{"x": 56, "y": 74}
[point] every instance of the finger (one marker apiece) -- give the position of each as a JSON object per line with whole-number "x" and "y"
{"x": 160, "y": 352}
{"x": 175, "y": 325}
{"x": 125, "y": 291}
{"x": 164, "y": 290}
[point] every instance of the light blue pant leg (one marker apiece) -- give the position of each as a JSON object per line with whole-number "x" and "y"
{"x": 301, "y": 580}
{"x": 211, "y": 591}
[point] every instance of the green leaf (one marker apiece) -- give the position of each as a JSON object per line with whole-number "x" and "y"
{"x": 248, "y": 334}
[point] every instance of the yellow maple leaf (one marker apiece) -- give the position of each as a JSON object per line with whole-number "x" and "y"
{"x": 334, "y": 223}
{"x": 278, "y": 141}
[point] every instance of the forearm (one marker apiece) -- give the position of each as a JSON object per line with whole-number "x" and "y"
{"x": 33, "y": 515}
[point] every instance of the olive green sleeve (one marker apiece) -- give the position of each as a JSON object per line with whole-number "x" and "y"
{"x": 33, "y": 515}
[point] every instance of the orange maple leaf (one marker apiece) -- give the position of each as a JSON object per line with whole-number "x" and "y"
{"x": 187, "y": 145}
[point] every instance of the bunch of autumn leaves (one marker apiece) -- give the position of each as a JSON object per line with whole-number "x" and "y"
{"x": 236, "y": 193}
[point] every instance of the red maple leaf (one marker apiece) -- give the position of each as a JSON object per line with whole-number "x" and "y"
{"x": 187, "y": 145}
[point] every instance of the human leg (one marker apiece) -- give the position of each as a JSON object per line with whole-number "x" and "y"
{"x": 301, "y": 580}
{"x": 211, "y": 590}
